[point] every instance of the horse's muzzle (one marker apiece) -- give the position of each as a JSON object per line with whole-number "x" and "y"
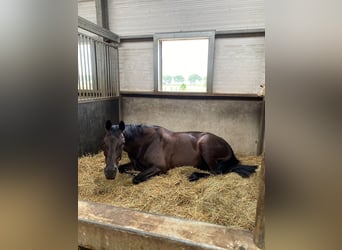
{"x": 110, "y": 173}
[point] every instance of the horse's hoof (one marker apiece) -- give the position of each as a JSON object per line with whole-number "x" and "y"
{"x": 135, "y": 181}
{"x": 193, "y": 177}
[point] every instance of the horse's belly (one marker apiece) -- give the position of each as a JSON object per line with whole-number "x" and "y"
{"x": 185, "y": 158}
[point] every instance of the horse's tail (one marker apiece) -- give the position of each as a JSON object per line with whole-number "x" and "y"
{"x": 244, "y": 170}
{"x": 233, "y": 165}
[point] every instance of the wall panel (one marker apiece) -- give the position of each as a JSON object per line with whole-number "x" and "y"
{"x": 87, "y": 10}
{"x": 239, "y": 65}
{"x": 92, "y": 116}
{"x": 136, "y": 66}
{"x": 136, "y": 17}
{"x": 237, "y": 121}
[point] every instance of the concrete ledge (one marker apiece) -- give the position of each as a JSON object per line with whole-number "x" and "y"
{"x": 103, "y": 226}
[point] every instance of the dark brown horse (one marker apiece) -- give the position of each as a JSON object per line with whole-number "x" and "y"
{"x": 154, "y": 150}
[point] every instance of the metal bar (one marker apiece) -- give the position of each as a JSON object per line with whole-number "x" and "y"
{"x": 156, "y": 63}
{"x": 114, "y": 45}
{"x": 102, "y": 13}
{"x": 93, "y": 66}
{"x": 83, "y": 67}
{"x": 84, "y": 78}
{"x": 103, "y": 70}
{"x": 95, "y": 69}
{"x": 105, "y": 67}
{"x": 240, "y": 33}
{"x": 109, "y": 71}
{"x": 96, "y": 29}
{"x": 218, "y": 34}
{"x": 117, "y": 74}
{"x": 210, "y": 68}
{"x": 87, "y": 59}
{"x": 112, "y": 70}
{"x": 100, "y": 68}
{"x": 79, "y": 68}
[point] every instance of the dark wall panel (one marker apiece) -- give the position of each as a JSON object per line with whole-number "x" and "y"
{"x": 91, "y": 120}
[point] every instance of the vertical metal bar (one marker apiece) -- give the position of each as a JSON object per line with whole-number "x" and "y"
{"x": 79, "y": 67}
{"x": 85, "y": 71}
{"x": 105, "y": 64}
{"x": 112, "y": 70}
{"x": 93, "y": 66}
{"x": 100, "y": 61}
{"x": 87, "y": 61}
{"x": 118, "y": 72}
{"x": 210, "y": 69}
{"x": 115, "y": 71}
{"x": 156, "y": 62}
{"x": 103, "y": 81}
{"x": 86, "y": 65}
{"x": 108, "y": 70}
{"x": 90, "y": 66}
{"x": 103, "y": 69}
{"x": 82, "y": 67}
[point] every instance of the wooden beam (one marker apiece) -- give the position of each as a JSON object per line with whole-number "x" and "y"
{"x": 96, "y": 29}
{"x": 102, "y": 226}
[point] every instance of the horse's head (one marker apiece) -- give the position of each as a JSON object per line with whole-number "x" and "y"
{"x": 114, "y": 141}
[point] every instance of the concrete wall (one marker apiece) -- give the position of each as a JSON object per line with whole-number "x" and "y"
{"x": 237, "y": 121}
{"x": 92, "y": 116}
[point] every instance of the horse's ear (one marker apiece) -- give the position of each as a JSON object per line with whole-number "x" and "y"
{"x": 108, "y": 125}
{"x": 121, "y": 125}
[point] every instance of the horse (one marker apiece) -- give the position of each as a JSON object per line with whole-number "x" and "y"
{"x": 154, "y": 150}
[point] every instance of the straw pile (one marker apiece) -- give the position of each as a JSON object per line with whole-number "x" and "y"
{"x": 227, "y": 200}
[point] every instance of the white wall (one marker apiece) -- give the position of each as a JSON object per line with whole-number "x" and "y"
{"x": 136, "y": 66}
{"x": 136, "y": 17}
{"x": 239, "y": 65}
{"x": 87, "y": 10}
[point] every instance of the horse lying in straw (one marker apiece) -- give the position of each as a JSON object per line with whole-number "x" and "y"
{"x": 154, "y": 150}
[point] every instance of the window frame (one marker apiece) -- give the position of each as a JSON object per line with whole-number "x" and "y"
{"x": 157, "y": 56}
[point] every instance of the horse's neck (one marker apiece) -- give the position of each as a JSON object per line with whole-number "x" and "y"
{"x": 131, "y": 133}
{"x": 132, "y": 142}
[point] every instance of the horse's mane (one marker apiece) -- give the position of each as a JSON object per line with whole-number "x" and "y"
{"x": 135, "y": 130}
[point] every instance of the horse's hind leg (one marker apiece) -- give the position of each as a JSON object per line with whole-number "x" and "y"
{"x": 146, "y": 174}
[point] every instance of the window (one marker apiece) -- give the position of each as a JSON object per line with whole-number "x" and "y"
{"x": 184, "y": 62}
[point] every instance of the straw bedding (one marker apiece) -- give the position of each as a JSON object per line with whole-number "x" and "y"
{"x": 227, "y": 200}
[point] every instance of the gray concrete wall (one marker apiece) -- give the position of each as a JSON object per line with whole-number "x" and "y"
{"x": 237, "y": 121}
{"x": 92, "y": 116}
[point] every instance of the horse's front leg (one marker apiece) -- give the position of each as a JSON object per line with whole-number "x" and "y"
{"x": 126, "y": 167}
{"x": 146, "y": 174}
